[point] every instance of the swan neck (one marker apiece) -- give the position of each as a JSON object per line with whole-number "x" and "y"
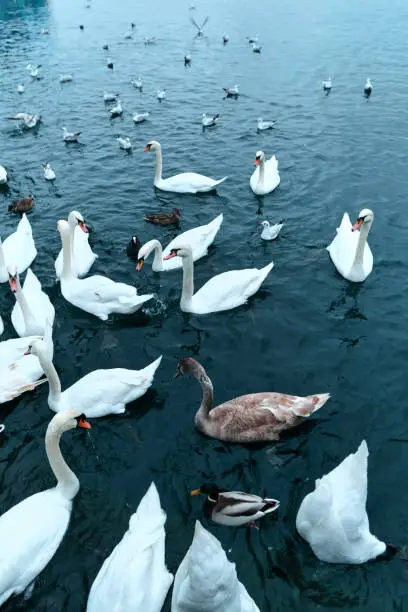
{"x": 29, "y": 320}
{"x": 66, "y": 255}
{"x": 67, "y": 482}
{"x": 158, "y": 255}
{"x": 158, "y": 175}
{"x": 3, "y": 270}
{"x": 208, "y": 393}
{"x": 52, "y": 377}
{"x": 188, "y": 280}
{"x": 261, "y": 171}
{"x": 362, "y": 240}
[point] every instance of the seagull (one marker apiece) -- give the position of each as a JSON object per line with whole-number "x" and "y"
{"x": 368, "y": 88}
{"x": 117, "y": 110}
{"x": 187, "y": 59}
{"x": 49, "y": 173}
{"x": 256, "y": 48}
{"x": 270, "y": 232}
{"x": 253, "y": 40}
{"x": 161, "y": 94}
{"x": 71, "y": 136}
{"x": 29, "y": 121}
{"x": 45, "y": 31}
{"x": 33, "y": 70}
{"x": 109, "y": 64}
{"x": 209, "y": 120}
{"x": 150, "y": 40}
{"x": 265, "y": 125}
{"x": 65, "y": 78}
{"x": 225, "y": 39}
{"x": 110, "y": 97}
{"x": 128, "y": 36}
{"x": 20, "y": 88}
{"x": 138, "y": 83}
{"x": 327, "y": 85}
{"x": 233, "y": 92}
{"x": 124, "y": 143}
{"x": 105, "y": 47}
{"x": 140, "y": 117}
{"x": 200, "y": 32}
{"x": 132, "y": 25}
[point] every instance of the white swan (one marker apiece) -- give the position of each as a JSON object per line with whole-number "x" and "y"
{"x": 33, "y": 307}
{"x": 206, "y": 581}
{"x": 3, "y": 175}
{"x": 187, "y": 182}
{"x": 265, "y": 177}
{"x": 20, "y": 373}
{"x": 18, "y": 249}
{"x": 82, "y": 256}
{"x": 31, "y": 531}
{"x": 349, "y": 250}
{"x": 1, "y": 326}
{"x": 96, "y": 294}
{"x": 134, "y": 576}
{"x": 49, "y": 173}
{"x": 333, "y": 517}
{"x": 100, "y": 392}
{"x": 222, "y": 292}
{"x": 199, "y": 239}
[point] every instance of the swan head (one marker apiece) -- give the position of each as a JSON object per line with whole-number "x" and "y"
{"x": 366, "y": 216}
{"x": 189, "y": 366}
{"x": 182, "y": 251}
{"x": 66, "y": 420}
{"x": 152, "y": 145}
{"x": 75, "y": 218}
{"x": 144, "y": 251}
{"x": 259, "y": 157}
{"x": 13, "y": 277}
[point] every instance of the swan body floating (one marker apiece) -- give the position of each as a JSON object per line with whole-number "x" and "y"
{"x": 255, "y": 417}
{"x": 199, "y": 239}
{"x": 34, "y": 70}
{"x": 18, "y": 249}
{"x": 209, "y": 120}
{"x": 65, "y": 78}
{"x": 349, "y": 250}
{"x": 20, "y": 373}
{"x": 333, "y": 518}
{"x": 234, "y": 508}
{"x": 187, "y": 182}
{"x": 327, "y": 85}
{"x": 264, "y": 125}
{"x": 97, "y": 294}
{"x": 110, "y": 97}
{"x": 206, "y": 581}
{"x": 124, "y": 143}
{"x": 117, "y": 110}
{"x": 265, "y": 177}
{"x": 3, "y": 175}
{"x": 223, "y": 291}
{"x": 20, "y": 88}
{"x": 31, "y": 531}
{"x": 135, "y": 576}
{"x": 49, "y": 173}
{"x": 138, "y": 83}
{"x": 29, "y": 121}
{"x": 368, "y": 88}
{"x": 270, "y": 232}
{"x": 1, "y": 326}
{"x": 140, "y": 117}
{"x": 102, "y": 392}
{"x": 33, "y": 309}
{"x": 70, "y": 136}
{"x": 232, "y": 92}
{"x": 82, "y": 256}
{"x": 161, "y": 94}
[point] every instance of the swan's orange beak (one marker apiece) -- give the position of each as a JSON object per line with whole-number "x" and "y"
{"x": 170, "y": 255}
{"x": 13, "y": 283}
{"x": 82, "y": 422}
{"x": 146, "y": 149}
{"x": 140, "y": 264}
{"x": 195, "y": 492}
{"x": 357, "y": 224}
{"x": 256, "y": 162}
{"x": 83, "y": 227}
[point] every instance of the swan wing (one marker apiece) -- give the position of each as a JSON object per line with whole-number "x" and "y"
{"x": 19, "y": 247}
{"x": 83, "y": 256}
{"x": 189, "y": 182}
{"x": 103, "y": 289}
{"x": 343, "y": 247}
{"x": 30, "y": 534}
{"x": 40, "y": 306}
{"x": 198, "y": 238}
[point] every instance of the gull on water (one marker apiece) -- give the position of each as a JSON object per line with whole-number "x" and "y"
{"x": 187, "y": 59}
{"x": 225, "y": 39}
{"x": 256, "y": 48}
{"x": 161, "y": 94}
{"x": 138, "y": 83}
{"x": 140, "y": 117}
{"x": 110, "y": 97}
{"x": 368, "y": 88}
{"x": 117, "y": 110}
{"x": 124, "y": 142}
{"x": 327, "y": 85}
{"x": 150, "y": 40}
{"x": 20, "y": 88}
{"x": 29, "y": 121}
{"x": 232, "y": 92}
{"x": 33, "y": 70}
{"x": 65, "y": 78}
{"x": 270, "y": 232}
{"x": 265, "y": 125}
{"x": 70, "y": 136}
{"x": 209, "y": 120}
{"x": 49, "y": 173}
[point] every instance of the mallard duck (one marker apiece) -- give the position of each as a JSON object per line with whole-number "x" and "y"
{"x": 234, "y": 508}
{"x": 172, "y": 218}
{"x": 22, "y": 206}
{"x": 133, "y": 247}
{"x": 249, "y": 418}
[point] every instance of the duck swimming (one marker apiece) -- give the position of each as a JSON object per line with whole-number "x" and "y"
{"x": 22, "y": 206}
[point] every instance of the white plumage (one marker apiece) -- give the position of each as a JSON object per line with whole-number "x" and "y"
{"x": 18, "y": 249}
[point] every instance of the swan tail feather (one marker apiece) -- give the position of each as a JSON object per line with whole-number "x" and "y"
{"x": 312, "y": 404}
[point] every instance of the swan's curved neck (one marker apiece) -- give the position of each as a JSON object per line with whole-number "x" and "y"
{"x": 261, "y": 171}
{"x": 29, "y": 320}
{"x": 66, "y": 255}
{"x": 188, "y": 280}
{"x": 206, "y": 386}
{"x": 362, "y": 239}
{"x": 158, "y": 255}
{"x": 3, "y": 269}
{"x": 53, "y": 380}
{"x": 158, "y": 175}
{"x": 68, "y": 483}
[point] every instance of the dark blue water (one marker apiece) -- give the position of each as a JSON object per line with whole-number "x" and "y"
{"x": 306, "y": 331}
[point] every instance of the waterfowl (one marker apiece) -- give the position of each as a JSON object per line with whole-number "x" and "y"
{"x": 44, "y": 31}
{"x": 264, "y": 125}
{"x": 265, "y": 177}
{"x": 270, "y": 232}
{"x": 209, "y": 120}
{"x": 327, "y": 85}
{"x": 20, "y": 88}
{"x": 34, "y": 70}
{"x": 161, "y": 94}
{"x": 128, "y": 36}
{"x": 255, "y": 417}
{"x": 1, "y": 326}
{"x": 187, "y": 182}
{"x": 225, "y": 39}
{"x": 98, "y": 295}
{"x": 199, "y": 239}
{"x": 105, "y": 47}
{"x": 82, "y": 256}
{"x": 49, "y": 173}
{"x": 232, "y": 92}
{"x": 81, "y": 27}
{"x": 140, "y": 117}
{"x": 135, "y": 576}
{"x": 256, "y": 48}
{"x": 70, "y": 136}
{"x": 21, "y": 206}
{"x": 102, "y": 392}
{"x": 138, "y": 83}
{"x": 368, "y": 88}
{"x": 349, "y": 250}
{"x": 31, "y": 531}
{"x": 110, "y": 97}
{"x": 150, "y": 40}
{"x": 109, "y": 64}
{"x": 65, "y": 78}
{"x": 33, "y": 310}
{"x": 187, "y": 59}
{"x": 200, "y": 28}
{"x": 117, "y": 110}
{"x": 133, "y": 247}
{"x": 253, "y": 40}
{"x": 3, "y": 175}
{"x": 29, "y": 121}
{"x": 206, "y": 581}
{"x": 333, "y": 518}
{"x": 222, "y": 292}
{"x": 18, "y": 249}
{"x": 234, "y": 508}
{"x": 172, "y": 218}
{"x": 124, "y": 142}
